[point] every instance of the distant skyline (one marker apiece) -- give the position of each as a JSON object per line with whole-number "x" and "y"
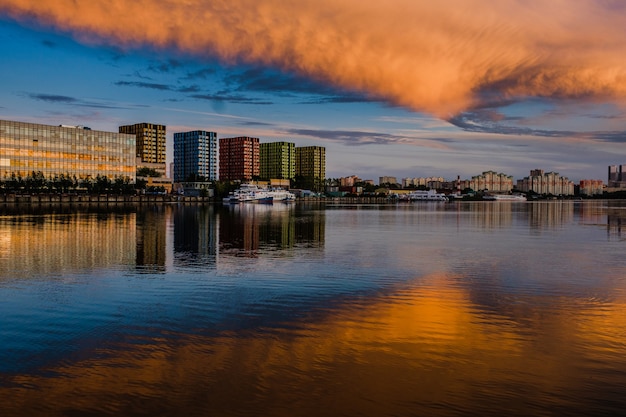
{"x": 398, "y": 89}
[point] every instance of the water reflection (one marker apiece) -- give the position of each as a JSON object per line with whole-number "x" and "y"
{"x": 453, "y": 309}
{"x": 422, "y": 350}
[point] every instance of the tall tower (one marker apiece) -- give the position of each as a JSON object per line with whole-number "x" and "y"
{"x": 311, "y": 164}
{"x": 277, "y": 160}
{"x": 239, "y": 158}
{"x": 195, "y": 156}
{"x": 150, "y": 145}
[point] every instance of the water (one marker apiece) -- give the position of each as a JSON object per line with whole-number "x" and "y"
{"x": 449, "y": 309}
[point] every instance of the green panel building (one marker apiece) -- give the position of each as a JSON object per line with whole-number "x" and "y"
{"x": 278, "y": 160}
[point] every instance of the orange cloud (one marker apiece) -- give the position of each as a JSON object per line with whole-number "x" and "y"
{"x": 441, "y": 57}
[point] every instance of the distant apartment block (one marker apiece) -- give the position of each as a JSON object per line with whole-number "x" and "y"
{"x": 311, "y": 162}
{"x": 617, "y": 176}
{"x": 546, "y": 183}
{"x": 591, "y": 187}
{"x": 239, "y": 159}
{"x": 349, "y": 181}
{"x": 387, "y": 180}
{"x": 430, "y": 182}
{"x": 491, "y": 181}
{"x": 64, "y": 150}
{"x": 195, "y": 156}
{"x": 277, "y": 160}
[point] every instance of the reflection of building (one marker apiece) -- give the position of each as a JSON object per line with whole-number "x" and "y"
{"x": 311, "y": 162}
{"x": 151, "y": 236}
{"x": 195, "y": 236}
{"x": 65, "y": 247}
{"x": 550, "y": 214}
{"x": 239, "y": 158}
{"x": 247, "y": 228}
{"x": 277, "y": 160}
{"x": 195, "y": 156}
{"x": 546, "y": 183}
{"x": 64, "y": 150}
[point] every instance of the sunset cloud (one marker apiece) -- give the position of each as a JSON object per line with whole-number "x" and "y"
{"x": 440, "y": 57}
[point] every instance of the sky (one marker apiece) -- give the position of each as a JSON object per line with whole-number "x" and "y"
{"x": 403, "y": 88}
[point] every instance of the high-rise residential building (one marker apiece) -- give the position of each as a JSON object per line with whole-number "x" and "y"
{"x": 277, "y": 160}
{"x": 64, "y": 150}
{"x": 387, "y": 180}
{"x": 492, "y": 181}
{"x": 617, "y": 175}
{"x": 591, "y": 187}
{"x": 311, "y": 162}
{"x": 239, "y": 158}
{"x": 195, "y": 156}
{"x": 546, "y": 183}
{"x": 150, "y": 140}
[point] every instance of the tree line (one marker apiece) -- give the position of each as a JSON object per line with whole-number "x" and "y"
{"x": 37, "y": 183}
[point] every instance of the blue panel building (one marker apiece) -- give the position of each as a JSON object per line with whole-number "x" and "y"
{"x": 195, "y": 156}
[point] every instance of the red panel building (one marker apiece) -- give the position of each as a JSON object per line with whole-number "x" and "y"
{"x": 239, "y": 158}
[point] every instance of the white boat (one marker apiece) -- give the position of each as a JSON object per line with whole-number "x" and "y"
{"x": 423, "y": 195}
{"x": 250, "y": 193}
{"x": 505, "y": 197}
{"x": 245, "y": 193}
{"x": 279, "y": 194}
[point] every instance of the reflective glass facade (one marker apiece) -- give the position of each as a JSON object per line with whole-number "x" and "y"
{"x": 56, "y": 150}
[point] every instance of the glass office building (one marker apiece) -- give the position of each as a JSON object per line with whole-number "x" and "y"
{"x": 69, "y": 150}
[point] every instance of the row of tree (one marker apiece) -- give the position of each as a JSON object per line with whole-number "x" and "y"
{"x": 37, "y": 183}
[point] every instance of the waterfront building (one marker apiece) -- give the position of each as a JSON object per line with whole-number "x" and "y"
{"x": 239, "y": 158}
{"x": 430, "y": 182}
{"x": 591, "y": 187}
{"x": 491, "y": 181}
{"x": 277, "y": 160}
{"x": 74, "y": 151}
{"x": 150, "y": 145}
{"x": 349, "y": 181}
{"x": 617, "y": 176}
{"x": 311, "y": 162}
{"x": 546, "y": 183}
{"x": 387, "y": 180}
{"x": 195, "y": 156}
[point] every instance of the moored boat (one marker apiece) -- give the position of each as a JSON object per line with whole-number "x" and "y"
{"x": 505, "y": 197}
{"x": 426, "y": 195}
{"x": 250, "y": 193}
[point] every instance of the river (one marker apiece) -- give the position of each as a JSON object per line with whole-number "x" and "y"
{"x": 409, "y": 309}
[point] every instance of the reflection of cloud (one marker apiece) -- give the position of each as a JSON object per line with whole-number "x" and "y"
{"x": 442, "y": 57}
{"x": 413, "y": 352}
